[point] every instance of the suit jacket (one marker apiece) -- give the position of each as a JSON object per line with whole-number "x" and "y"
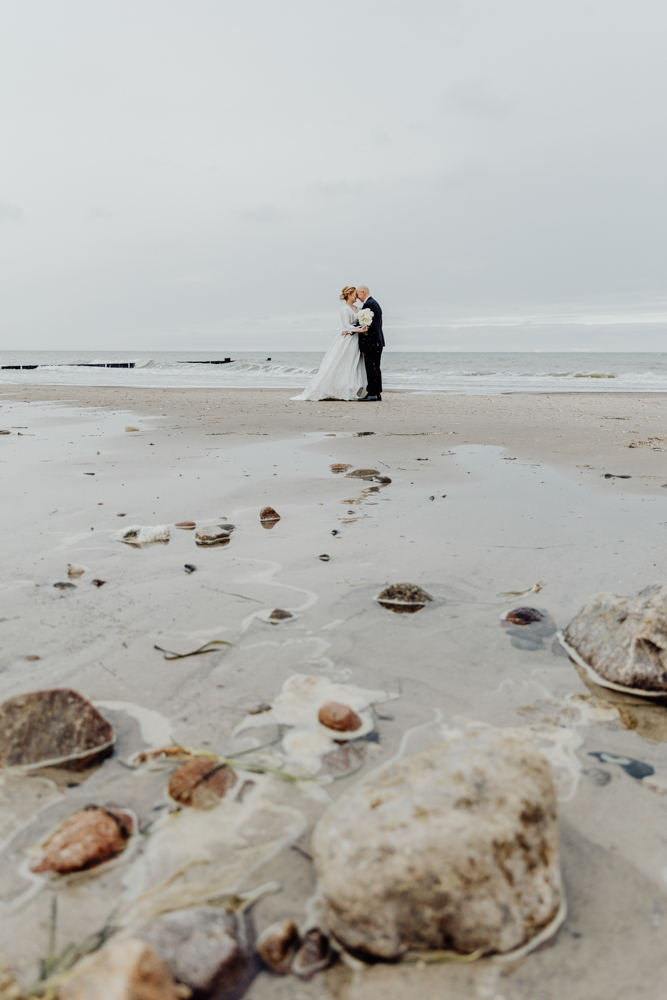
{"x": 374, "y": 339}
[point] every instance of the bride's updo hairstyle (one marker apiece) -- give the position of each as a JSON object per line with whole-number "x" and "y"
{"x": 347, "y": 291}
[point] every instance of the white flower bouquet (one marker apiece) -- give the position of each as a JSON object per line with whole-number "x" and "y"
{"x": 365, "y": 317}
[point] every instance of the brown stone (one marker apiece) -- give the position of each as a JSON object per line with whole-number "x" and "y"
{"x": 536, "y": 621}
{"x": 276, "y": 946}
{"x": 339, "y": 467}
{"x": 212, "y": 536}
{"x": 201, "y": 783}
{"x": 42, "y": 727}
{"x": 313, "y": 956}
{"x": 200, "y": 947}
{"x": 404, "y": 598}
{"x": 86, "y": 839}
{"x": 362, "y": 474}
{"x": 268, "y": 514}
{"x": 125, "y": 970}
{"x": 280, "y": 615}
{"x": 188, "y": 525}
{"x": 342, "y": 718}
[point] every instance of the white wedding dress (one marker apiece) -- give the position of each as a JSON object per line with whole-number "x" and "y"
{"x": 342, "y": 374}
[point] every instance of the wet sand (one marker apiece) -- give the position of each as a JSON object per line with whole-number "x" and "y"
{"x": 487, "y": 495}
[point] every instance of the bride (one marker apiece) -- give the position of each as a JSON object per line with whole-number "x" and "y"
{"x": 342, "y": 374}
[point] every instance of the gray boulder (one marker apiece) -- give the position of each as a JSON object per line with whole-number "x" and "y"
{"x": 455, "y": 848}
{"x": 624, "y": 639}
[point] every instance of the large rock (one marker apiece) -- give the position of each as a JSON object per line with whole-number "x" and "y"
{"x": 624, "y": 639}
{"x": 125, "y": 970}
{"x": 48, "y": 727}
{"x": 454, "y": 848}
{"x": 201, "y": 948}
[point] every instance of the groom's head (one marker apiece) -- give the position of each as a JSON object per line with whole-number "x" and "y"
{"x": 362, "y": 293}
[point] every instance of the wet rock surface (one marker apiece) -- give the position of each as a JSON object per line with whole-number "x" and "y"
{"x": 125, "y": 970}
{"x": 212, "y": 536}
{"x": 87, "y": 838}
{"x": 453, "y": 848}
{"x": 200, "y": 947}
{"x": 269, "y": 514}
{"x": 277, "y": 945}
{"x": 201, "y": 783}
{"x": 342, "y": 718}
{"x": 280, "y": 615}
{"x": 624, "y": 639}
{"x": 54, "y": 725}
{"x": 528, "y": 627}
{"x": 403, "y": 598}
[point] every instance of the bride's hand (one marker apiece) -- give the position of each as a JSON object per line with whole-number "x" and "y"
{"x": 343, "y": 333}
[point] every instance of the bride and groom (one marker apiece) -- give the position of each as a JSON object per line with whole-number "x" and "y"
{"x": 351, "y": 367}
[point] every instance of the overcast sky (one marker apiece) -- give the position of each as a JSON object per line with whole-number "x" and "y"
{"x": 207, "y": 174}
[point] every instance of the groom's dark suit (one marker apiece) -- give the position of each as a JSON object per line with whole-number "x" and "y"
{"x": 370, "y": 345}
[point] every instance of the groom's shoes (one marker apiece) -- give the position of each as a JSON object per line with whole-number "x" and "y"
{"x": 371, "y": 399}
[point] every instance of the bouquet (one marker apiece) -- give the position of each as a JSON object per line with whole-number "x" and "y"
{"x": 365, "y": 317}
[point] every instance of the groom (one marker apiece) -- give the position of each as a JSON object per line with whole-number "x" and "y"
{"x": 370, "y": 345}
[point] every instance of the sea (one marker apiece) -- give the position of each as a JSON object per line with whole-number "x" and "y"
{"x": 473, "y": 373}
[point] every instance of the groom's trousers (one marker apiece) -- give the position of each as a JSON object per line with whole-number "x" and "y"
{"x": 373, "y": 372}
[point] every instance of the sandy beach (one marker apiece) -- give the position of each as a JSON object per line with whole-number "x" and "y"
{"x": 492, "y": 502}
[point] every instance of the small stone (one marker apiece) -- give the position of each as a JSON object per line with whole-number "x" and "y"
{"x": 200, "y": 947}
{"x": 31, "y": 657}
{"x": 5, "y": 432}
{"x": 268, "y": 514}
{"x": 129, "y": 430}
{"x": 324, "y": 557}
{"x": 201, "y": 783}
{"x": 64, "y": 585}
{"x": 276, "y": 946}
{"x": 534, "y": 620}
{"x": 211, "y": 536}
{"x": 624, "y": 639}
{"x": 86, "y": 839}
{"x": 74, "y": 571}
{"x": 362, "y": 474}
{"x": 280, "y": 615}
{"x": 125, "y": 970}
{"x": 190, "y": 568}
{"x": 404, "y": 598}
{"x": 339, "y": 467}
{"x": 313, "y": 956}
{"x": 43, "y": 727}
{"x": 98, "y": 583}
{"x": 140, "y": 534}
{"x": 342, "y": 718}
{"x": 454, "y": 848}
{"x": 186, "y": 525}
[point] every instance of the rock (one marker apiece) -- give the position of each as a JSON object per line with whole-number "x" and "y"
{"x": 342, "y": 718}
{"x": 624, "y": 639}
{"x": 74, "y": 570}
{"x": 268, "y": 514}
{"x": 403, "y": 598}
{"x": 201, "y": 783}
{"x": 324, "y": 557}
{"x": 186, "y": 525}
{"x": 125, "y": 970}
{"x": 190, "y": 568}
{"x": 64, "y": 585}
{"x": 130, "y": 429}
{"x": 5, "y": 432}
{"x": 453, "y": 848}
{"x": 212, "y": 536}
{"x": 138, "y": 534}
{"x": 200, "y": 947}
{"x": 48, "y": 727}
{"x": 98, "y": 583}
{"x": 339, "y": 467}
{"x": 313, "y": 956}
{"x": 362, "y": 474}
{"x": 86, "y": 839}
{"x": 279, "y": 615}
{"x": 534, "y": 621}
{"x": 277, "y": 945}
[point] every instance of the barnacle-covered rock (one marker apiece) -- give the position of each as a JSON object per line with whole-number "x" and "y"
{"x": 403, "y": 598}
